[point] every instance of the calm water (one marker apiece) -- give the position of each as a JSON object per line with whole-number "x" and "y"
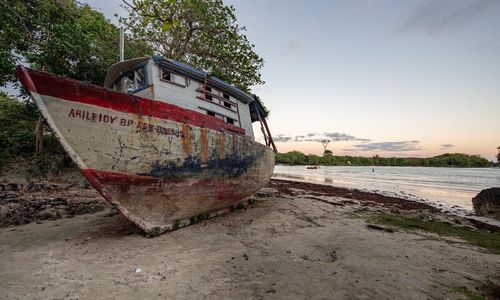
{"x": 449, "y": 188}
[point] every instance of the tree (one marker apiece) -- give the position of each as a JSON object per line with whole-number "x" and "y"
{"x": 202, "y": 33}
{"x": 313, "y": 159}
{"x": 327, "y": 153}
{"x": 325, "y": 144}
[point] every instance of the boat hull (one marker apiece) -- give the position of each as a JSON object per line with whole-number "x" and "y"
{"x": 160, "y": 165}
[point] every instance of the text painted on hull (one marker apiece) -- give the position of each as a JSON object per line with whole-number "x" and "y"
{"x": 107, "y": 118}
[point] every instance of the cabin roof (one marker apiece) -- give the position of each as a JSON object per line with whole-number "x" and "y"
{"x": 120, "y": 67}
{"x": 180, "y": 68}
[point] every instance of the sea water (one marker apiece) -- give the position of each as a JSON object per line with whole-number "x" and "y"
{"x": 450, "y": 189}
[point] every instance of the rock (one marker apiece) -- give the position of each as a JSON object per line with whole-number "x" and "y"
{"x": 487, "y": 203}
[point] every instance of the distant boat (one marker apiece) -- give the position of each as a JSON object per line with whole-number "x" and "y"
{"x": 163, "y": 142}
{"x": 312, "y": 167}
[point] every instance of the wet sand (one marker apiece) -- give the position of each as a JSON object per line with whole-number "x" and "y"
{"x": 295, "y": 241}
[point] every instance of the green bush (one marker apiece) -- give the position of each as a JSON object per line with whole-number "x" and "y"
{"x": 18, "y": 120}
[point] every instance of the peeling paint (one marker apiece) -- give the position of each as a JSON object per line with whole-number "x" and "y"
{"x": 204, "y": 145}
{"x": 186, "y": 140}
{"x": 221, "y": 143}
{"x": 232, "y": 165}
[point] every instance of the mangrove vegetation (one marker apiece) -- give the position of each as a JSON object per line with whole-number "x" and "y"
{"x": 445, "y": 160}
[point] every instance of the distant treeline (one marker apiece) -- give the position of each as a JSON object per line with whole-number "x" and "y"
{"x": 445, "y": 160}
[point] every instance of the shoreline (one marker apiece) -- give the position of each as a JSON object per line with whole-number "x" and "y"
{"x": 447, "y": 189}
{"x": 480, "y": 222}
{"x": 295, "y": 240}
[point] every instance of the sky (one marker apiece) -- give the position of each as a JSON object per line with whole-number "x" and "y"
{"x": 387, "y": 77}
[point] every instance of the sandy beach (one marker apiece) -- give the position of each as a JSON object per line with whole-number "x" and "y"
{"x": 294, "y": 241}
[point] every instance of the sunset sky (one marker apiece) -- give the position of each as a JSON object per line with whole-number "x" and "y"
{"x": 394, "y": 78}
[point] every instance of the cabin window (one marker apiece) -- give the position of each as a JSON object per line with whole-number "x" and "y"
{"x": 166, "y": 75}
{"x": 132, "y": 81}
{"x": 221, "y": 117}
{"x": 173, "y": 78}
{"x": 217, "y": 97}
{"x": 207, "y": 93}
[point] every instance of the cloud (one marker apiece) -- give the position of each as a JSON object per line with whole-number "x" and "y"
{"x": 282, "y": 138}
{"x": 401, "y": 146}
{"x": 332, "y": 136}
{"x": 447, "y": 146}
{"x": 440, "y": 15}
{"x": 337, "y": 136}
{"x": 316, "y": 137}
{"x": 387, "y": 146}
{"x": 298, "y": 137}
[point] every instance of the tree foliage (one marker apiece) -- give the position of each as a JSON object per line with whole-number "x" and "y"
{"x": 444, "y": 160}
{"x": 14, "y": 29}
{"x": 61, "y": 37}
{"x": 202, "y": 33}
{"x": 498, "y": 156}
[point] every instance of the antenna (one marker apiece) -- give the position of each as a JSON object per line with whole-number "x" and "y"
{"x": 122, "y": 44}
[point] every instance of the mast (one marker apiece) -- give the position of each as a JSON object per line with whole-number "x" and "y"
{"x": 122, "y": 44}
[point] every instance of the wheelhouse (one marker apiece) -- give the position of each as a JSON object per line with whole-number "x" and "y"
{"x": 179, "y": 84}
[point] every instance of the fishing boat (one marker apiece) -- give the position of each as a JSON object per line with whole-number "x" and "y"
{"x": 163, "y": 142}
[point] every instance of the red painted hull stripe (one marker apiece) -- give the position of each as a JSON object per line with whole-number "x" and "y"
{"x": 99, "y": 178}
{"x": 116, "y": 178}
{"x": 77, "y": 91}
